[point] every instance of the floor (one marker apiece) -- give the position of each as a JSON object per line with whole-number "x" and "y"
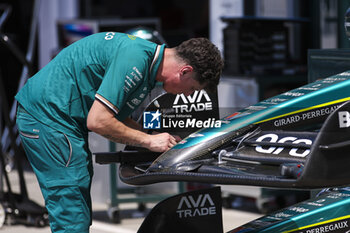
{"x": 102, "y": 224}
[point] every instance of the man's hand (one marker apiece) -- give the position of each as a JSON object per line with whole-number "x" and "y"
{"x": 161, "y": 142}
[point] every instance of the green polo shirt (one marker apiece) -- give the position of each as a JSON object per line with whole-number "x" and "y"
{"x": 115, "y": 68}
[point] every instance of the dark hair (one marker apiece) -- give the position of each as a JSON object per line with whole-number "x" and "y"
{"x": 205, "y": 58}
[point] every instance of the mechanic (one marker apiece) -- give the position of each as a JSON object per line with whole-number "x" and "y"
{"x": 95, "y": 84}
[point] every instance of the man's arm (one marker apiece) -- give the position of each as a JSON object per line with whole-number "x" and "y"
{"x": 133, "y": 124}
{"x": 102, "y": 121}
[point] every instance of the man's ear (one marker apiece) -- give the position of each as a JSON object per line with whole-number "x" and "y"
{"x": 186, "y": 69}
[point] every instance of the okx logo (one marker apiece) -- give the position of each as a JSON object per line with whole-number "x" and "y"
{"x": 151, "y": 120}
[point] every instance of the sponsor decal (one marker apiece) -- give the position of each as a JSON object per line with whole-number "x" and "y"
{"x": 286, "y": 121}
{"x": 190, "y": 206}
{"x": 346, "y": 73}
{"x": 259, "y": 107}
{"x": 298, "y": 209}
{"x": 293, "y": 118}
{"x": 344, "y": 119}
{"x": 128, "y": 84}
{"x": 138, "y": 72}
{"x": 311, "y": 87}
{"x": 135, "y": 101}
{"x": 126, "y": 89}
{"x": 232, "y": 116}
{"x": 131, "y": 80}
{"x": 135, "y": 76}
{"x": 129, "y": 105}
{"x": 293, "y": 94}
{"x": 338, "y": 195}
{"x": 131, "y": 37}
{"x": 277, "y": 150}
{"x": 318, "y": 203}
{"x": 128, "y": 80}
{"x": 339, "y": 225}
{"x": 195, "y": 135}
{"x": 305, "y": 116}
{"x": 109, "y": 35}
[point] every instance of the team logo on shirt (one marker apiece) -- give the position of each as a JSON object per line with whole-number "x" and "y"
{"x": 151, "y": 120}
{"x": 109, "y": 35}
{"x": 131, "y": 37}
{"x": 135, "y": 101}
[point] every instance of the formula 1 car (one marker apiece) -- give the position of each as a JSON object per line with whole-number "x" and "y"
{"x": 297, "y": 140}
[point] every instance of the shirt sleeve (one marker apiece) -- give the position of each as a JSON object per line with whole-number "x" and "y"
{"x": 123, "y": 77}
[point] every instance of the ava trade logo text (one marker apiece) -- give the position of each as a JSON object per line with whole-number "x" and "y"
{"x": 190, "y": 206}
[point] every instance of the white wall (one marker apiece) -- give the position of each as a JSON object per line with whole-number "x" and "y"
{"x": 50, "y": 11}
{"x": 218, "y": 9}
{"x": 274, "y": 8}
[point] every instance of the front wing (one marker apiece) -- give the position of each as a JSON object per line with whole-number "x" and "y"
{"x": 285, "y": 159}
